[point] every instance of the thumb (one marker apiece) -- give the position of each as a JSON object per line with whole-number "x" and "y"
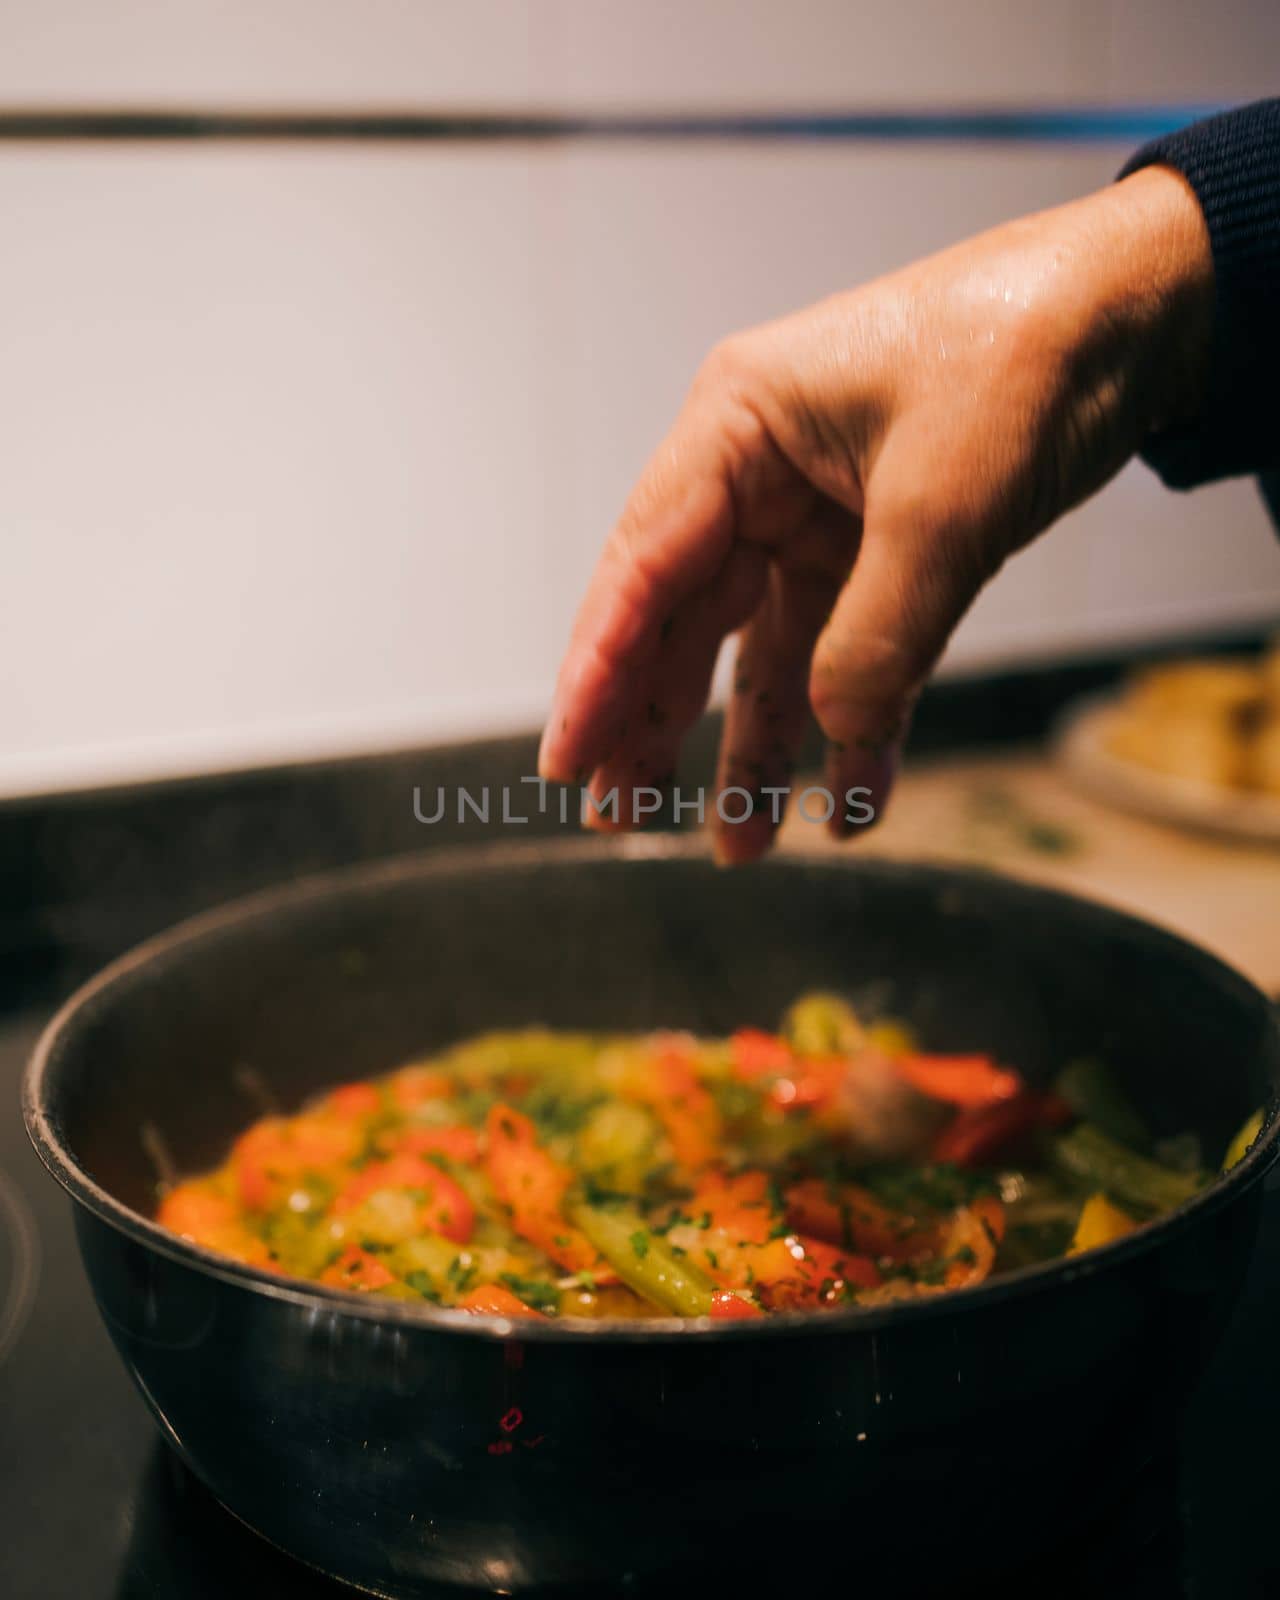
{"x": 912, "y": 582}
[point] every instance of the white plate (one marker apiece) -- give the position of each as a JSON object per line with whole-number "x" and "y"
{"x": 1081, "y": 749}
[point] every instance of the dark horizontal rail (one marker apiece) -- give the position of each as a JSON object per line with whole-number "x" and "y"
{"x": 1066, "y": 125}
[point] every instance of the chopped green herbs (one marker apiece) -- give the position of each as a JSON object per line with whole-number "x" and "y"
{"x": 541, "y": 1174}
{"x": 535, "y": 1292}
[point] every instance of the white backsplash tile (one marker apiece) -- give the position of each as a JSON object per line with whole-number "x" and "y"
{"x": 1166, "y": 51}
{"x": 309, "y": 450}
{"x": 707, "y": 54}
{"x": 348, "y": 53}
{"x": 273, "y": 452}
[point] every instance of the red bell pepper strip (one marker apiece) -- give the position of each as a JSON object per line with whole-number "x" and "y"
{"x": 728, "y": 1306}
{"x": 812, "y": 1083}
{"x": 793, "y": 1271}
{"x": 414, "y": 1086}
{"x": 275, "y": 1154}
{"x": 976, "y": 1137}
{"x": 822, "y": 1262}
{"x": 798, "y": 1082}
{"x": 851, "y": 1216}
{"x": 357, "y": 1269}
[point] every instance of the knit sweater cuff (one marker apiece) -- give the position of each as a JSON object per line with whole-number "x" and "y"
{"x": 1232, "y": 162}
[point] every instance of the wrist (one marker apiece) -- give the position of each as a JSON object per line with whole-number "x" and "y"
{"x": 1156, "y": 279}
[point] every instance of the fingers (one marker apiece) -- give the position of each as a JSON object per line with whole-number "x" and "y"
{"x": 649, "y": 568}
{"x": 911, "y": 584}
{"x": 673, "y": 536}
{"x": 719, "y": 480}
{"x": 768, "y": 709}
{"x": 678, "y": 683}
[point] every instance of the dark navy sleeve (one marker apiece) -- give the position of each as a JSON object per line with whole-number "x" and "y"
{"x": 1232, "y": 162}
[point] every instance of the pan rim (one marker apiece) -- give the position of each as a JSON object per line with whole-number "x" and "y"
{"x": 367, "y": 877}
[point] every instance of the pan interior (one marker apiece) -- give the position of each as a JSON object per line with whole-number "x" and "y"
{"x": 178, "y": 1052}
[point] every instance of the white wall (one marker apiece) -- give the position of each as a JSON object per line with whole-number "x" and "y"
{"x": 309, "y": 449}
{"x": 672, "y": 53}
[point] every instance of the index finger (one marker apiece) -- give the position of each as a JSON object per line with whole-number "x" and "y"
{"x": 673, "y": 537}
{"x": 719, "y": 477}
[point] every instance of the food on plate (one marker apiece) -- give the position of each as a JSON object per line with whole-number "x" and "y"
{"x": 833, "y": 1163}
{"x": 1214, "y": 721}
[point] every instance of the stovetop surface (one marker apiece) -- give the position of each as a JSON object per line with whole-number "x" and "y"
{"x": 93, "y": 1507}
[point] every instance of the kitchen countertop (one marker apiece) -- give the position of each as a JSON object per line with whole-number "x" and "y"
{"x": 1016, "y": 812}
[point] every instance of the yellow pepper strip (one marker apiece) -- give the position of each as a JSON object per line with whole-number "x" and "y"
{"x": 1100, "y": 1222}
{"x": 1239, "y": 1147}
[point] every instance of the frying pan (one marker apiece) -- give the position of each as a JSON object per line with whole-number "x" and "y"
{"x": 402, "y": 1447}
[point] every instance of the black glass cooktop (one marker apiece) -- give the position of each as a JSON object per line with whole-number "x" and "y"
{"x": 93, "y": 1507}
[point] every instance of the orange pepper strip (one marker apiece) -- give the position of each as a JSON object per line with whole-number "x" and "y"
{"x": 958, "y": 1080}
{"x": 213, "y": 1220}
{"x": 354, "y": 1100}
{"x": 990, "y": 1212}
{"x": 262, "y": 1161}
{"x": 414, "y": 1086}
{"x": 976, "y": 1229}
{"x": 732, "y": 1221}
{"x": 357, "y": 1269}
{"x": 887, "y": 1235}
{"x": 195, "y": 1211}
{"x": 458, "y": 1144}
{"x": 757, "y": 1054}
{"x": 447, "y": 1208}
{"x": 493, "y": 1300}
{"x": 686, "y": 1108}
{"x": 741, "y": 1247}
{"x": 738, "y": 1205}
{"x": 532, "y": 1185}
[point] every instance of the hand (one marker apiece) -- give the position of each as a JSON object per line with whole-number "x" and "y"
{"x": 840, "y": 485}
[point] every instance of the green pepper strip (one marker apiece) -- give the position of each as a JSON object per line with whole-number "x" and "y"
{"x": 645, "y": 1262}
{"x": 1092, "y": 1158}
{"x": 1095, "y": 1096}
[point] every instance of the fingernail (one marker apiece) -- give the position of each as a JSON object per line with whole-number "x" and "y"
{"x": 553, "y": 771}
{"x": 861, "y": 777}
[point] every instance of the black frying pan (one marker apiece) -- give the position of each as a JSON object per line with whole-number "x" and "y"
{"x": 398, "y": 1446}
